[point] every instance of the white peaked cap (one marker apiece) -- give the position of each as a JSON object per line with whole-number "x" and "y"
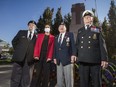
{"x": 87, "y": 12}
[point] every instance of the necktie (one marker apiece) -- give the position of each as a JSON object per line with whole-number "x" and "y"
{"x": 30, "y": 35}
{"x": 87, "y": 26}
{"x": 60, "y": 38}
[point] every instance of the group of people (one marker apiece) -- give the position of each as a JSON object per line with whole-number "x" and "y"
{"x": 34, "y": 52}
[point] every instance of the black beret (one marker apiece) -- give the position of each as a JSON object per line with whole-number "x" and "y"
{"x": 62, "y": 23}
{"x": 32, "y": 21}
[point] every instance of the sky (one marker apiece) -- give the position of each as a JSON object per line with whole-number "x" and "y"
{"x": 15, "y": 14}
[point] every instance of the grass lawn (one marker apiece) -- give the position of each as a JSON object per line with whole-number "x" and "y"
{"x": 5, "y": 61}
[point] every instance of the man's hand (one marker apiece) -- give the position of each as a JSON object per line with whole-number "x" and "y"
{"x": 55, "y": 61}
{"x": 73, "y": 59}
{"x": 104, "y": 64}
{"x": 36, "y": 58}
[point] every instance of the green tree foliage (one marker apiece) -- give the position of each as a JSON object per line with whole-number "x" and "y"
{"x": 47, "y": 16}
{"x": 112, "y": 32}
{"x": 11, "y": 50}
{"x": 40, "y": 25}
{"x": 67, "y": 20}
{"x": 95, "y": 21}
{"x": 106, "y": 33}
{"x": 46, "y": 19}
{"x": 105, "y": 27}
{"x": 57, "y": 21}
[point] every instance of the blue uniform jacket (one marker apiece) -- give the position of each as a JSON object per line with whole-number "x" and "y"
{"x": 63, "y": 52}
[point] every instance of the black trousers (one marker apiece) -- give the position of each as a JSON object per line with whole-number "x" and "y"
{"x": 41, "y": 74}
{"x": 21, "y": 74}
{"x": 90, "y": 75}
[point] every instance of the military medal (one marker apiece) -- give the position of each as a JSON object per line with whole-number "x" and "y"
{"x": 34, "y": 71}
{"x": 59, "y": 48}
{"x": 94, "y": 36}
{"x": 94, "y": 29}
{"x": 67, "y": 41}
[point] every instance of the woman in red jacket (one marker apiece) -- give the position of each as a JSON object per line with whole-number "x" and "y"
{"x": 43, "y": 54}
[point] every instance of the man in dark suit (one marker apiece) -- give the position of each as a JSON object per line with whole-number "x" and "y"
{"x": 91, "y": 51}
{"x": 64, "y": 57}
{"x": 23, "y": 44}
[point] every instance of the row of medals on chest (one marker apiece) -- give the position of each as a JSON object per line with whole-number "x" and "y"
{"x": 67, "y": 42}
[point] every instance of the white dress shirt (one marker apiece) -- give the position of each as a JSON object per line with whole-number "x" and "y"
{"x": 86, "y": 26}
{"x": 31, "y": 34}
{"x": 63, "y": 34}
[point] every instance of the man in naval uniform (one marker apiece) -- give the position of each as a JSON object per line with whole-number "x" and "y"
{"x": 91, "y": 52}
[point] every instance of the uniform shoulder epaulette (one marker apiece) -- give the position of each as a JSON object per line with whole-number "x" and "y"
{"x": 80, "y": 30}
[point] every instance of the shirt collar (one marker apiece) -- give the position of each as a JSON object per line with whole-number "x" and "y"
{"x": 86, "y": 26}
{"x": 63, "y": 33}
{"x": 31, "y": 31}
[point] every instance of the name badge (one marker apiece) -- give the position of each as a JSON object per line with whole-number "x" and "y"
{"x": 67, "y": 41}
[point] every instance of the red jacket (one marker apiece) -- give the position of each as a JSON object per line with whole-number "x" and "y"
{"x": 38, "y": 46}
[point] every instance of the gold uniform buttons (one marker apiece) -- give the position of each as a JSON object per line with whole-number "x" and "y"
{"x": 89, "y": 47}
{"x": 89, "y": 36}
{"x": 89, "y": 42}
{"x": 81, "y": 46}
{"x": 82, "y": 37}
{"x": 81, "y": 41}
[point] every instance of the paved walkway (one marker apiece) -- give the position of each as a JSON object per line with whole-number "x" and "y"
{"x": 5, "y": 74}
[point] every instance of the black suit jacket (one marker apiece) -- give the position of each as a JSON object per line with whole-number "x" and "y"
{"x": 91, "y": 46}
{"x": 63, "y": 52}
{"x": 23, "y": 47}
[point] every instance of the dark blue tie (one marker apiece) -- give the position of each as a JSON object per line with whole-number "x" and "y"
{"x": 60, "y": 38}
{"x": 30, "y": 35}
{"x": 87, "y": 26}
